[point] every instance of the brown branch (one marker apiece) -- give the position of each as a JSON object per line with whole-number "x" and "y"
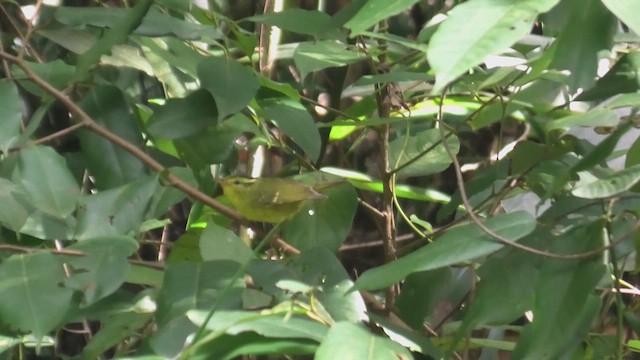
{"x": 387, "y": 209}
{"x": 83, "y": 118}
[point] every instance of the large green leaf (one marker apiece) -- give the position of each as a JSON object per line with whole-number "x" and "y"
{"x": 588, "y": 30}
{"x": 325, "y": 222}
{"x": 31, "y": 298}
{"x": 43, "y": 175}
{"x": 623, "y": 77}
{"x": 374, "y": 11}
{"x": 233, "y": 85}
{"x": 110, "y": 165}
{"x": 626, "y": 11}
{"x": 218, "y": 243}
{"x": 229, "y": 347}
{"x": 599, "y": 117}
{"x": 118, "y": 211}
{"x": 13, "y": 211}
{"x": 476, "y": 29}
{"x": 309, "y": 22}
{"x": 318, "y": 55}
{"x": 504, "y": 292}
{"x": 295, "y": 122}
{"x": 609, "y": 185}
{"x": 11, "y": 115}
{"x": 407, "y": 151}
{"x": 191, "y": 286}
{"x": 331, "y": 284}
{"x": 57, "y": 73}
{"x": 104, "y": 269}
{"x": 45, "y": 226}
{"x": 117, "y": 34}
{"x": 154, "y": 23}
{"x": 353, "y": 342}
{"x": 564, "y": 305}
{"x": 178, "y": 118}
{"x": 459, "y": 244}
{"x": 115, "y": 329}
{"x": 266, "y": 324}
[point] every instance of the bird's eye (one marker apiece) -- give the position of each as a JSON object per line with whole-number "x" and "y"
{"x": 236, "y": 182}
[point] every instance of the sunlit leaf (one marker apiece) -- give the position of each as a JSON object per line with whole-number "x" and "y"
{"x": 477, "y": 29}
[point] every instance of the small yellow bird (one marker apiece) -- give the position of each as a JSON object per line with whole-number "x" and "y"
{"x": 271, "y": 200}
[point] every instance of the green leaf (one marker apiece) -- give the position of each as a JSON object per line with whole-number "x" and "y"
{"x": 187, "y": 247}
{"x": 318, "y": 55}
{"x": 216, "y": 144}
{"x": 127, "y": 56}
{"x": 625, "y": 10}
{"x": 300, "y": 21}
{"x": 405, "y": 149}
{"x": 350, "y": 341}
{"x": 190, "y": 286}
{"x": 609, "y": 185}
{"x": 115, "y": 329}
{"x": 601, "y": 151}
{"x": 104, "y": 269}
{"x": 44, "y": 226}
{"x": 373, "y": 11}
{"x": 110, "y": 165}
{"x": 564, "y": 305}
{"x": 295, "y": 122}
{"x": 57, "y": 73}
{"x": 633, "y": 154}
{"x": 179, "y": 118}
{"x": 623, "y": 77}
{"x": 117, "y": 34}
{"x": 588, "y": 30}
{"x": 11, "y": 110}
{"x": 467, "y": 37}
{"x": 218, "y": 243}
{"x": 330, "y": 284}
{"x": 31, "y": 298}
{"x": 325, "y": 222}
{"x": 265, "y": 324}
{"x": 118, "y": 211}
{"x": 599, "y": 117}
{"x": 232, "y": 347}
{"x": 43, "y": 175}
{"x": 232, "y": 85}
{"x": 420, "y": 294}
{"x": 459, "y": 244}
{"x": 501, "y": 296}
{"x": 154, "y": 23}
{"x": 13, "y": 210}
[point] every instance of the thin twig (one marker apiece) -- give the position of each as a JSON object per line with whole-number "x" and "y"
{"x": 501, "y": 239}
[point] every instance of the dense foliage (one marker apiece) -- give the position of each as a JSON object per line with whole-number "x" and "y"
{"x": 489, "y": 148}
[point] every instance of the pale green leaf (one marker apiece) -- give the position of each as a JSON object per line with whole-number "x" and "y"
{"x": 374, "y": 11}
{"x": 476, "y": 29}
{"x": 218, "y": 243}
{"x": 11, "y": 111}
{"x": 349, "y": 341}
{"x": 318, "y": 55}
{"x": 609, "y": 185}
{"x": 627, "y": 11}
